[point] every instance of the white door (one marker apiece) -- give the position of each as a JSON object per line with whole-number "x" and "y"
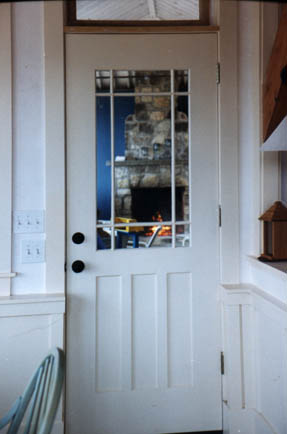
{"x": 143, "y": 326}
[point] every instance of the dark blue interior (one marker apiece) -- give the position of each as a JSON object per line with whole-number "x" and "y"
{"x": 123, "y": 106}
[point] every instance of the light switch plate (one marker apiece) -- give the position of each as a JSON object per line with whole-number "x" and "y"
{"x": 28, "y": 222}
{"x": 32, "y": 251}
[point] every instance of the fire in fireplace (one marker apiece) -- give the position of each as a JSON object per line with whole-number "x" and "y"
{"x": 149, "y": 203}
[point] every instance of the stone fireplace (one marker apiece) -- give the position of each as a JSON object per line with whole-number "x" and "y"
{"x": 147, "y": 163}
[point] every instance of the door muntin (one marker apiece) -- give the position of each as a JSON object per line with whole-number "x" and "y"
{"x": 143, "y": 140}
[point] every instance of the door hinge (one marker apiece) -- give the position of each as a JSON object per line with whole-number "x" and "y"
{"x": 218, "y": 73}
{"x": 222, "y": 362}
{"x": 219, "y": 216}
{"x": 65, "y": 267}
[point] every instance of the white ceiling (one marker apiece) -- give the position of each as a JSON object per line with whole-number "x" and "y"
{"x": 130, "y": 10}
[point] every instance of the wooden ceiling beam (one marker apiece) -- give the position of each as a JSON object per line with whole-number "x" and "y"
{"x": 275, "y": 85}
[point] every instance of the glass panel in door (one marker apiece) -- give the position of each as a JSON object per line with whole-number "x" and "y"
{"x": 143, "y": 151}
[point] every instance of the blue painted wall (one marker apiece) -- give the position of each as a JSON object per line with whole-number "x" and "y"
{"x": 123, "y": 107}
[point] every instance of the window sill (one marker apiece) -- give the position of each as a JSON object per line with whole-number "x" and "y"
{"x": 278, "y": 268}
{"x": 270, "y": 277}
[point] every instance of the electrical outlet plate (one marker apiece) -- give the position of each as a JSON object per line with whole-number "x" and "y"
{"x": 28, "y": 222}
{"x": 32, "y": 251}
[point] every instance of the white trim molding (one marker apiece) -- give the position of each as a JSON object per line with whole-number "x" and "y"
{"x": 5, "y": 147}
{"x": 28, "y": 305}
{"x": 55, "y": 146}
{"x": 7, "y": 275}
{"x": 228, "y": 140}
{"x": 255, "y": 356}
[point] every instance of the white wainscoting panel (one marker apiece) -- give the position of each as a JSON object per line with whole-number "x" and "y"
{"x": 26, "y": 335}
{"x": 255, "y": 347}
{"x": 271, "y": 367}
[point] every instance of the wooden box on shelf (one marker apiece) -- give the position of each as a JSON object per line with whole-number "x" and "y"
{"x": 274, "y": 233}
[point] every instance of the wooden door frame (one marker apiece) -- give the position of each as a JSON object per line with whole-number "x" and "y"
{"x": 55, "y": 144}
{"x": 71, "y": 20}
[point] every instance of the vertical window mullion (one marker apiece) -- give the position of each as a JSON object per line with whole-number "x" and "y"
{"x": 189, "y": 156}
{"x": 112, "y": 161}
{"x": 173, "y": 196}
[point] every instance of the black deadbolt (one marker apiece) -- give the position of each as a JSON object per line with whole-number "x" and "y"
{"x": 78, "y": 266}
{"x": 78, "y": 238}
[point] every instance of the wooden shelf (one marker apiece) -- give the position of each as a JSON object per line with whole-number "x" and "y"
{"x": 140, "y": 29}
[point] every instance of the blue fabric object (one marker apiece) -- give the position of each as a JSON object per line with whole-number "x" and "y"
{"x": 133, "y": 235}
{"x": 100, "y": 243}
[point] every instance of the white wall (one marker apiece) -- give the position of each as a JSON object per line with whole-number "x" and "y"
{"x": 31, "y": 324}
{"x": 255, "y": 312}
{"x": 259, "y": 175}
{"x": 28, "y": 133}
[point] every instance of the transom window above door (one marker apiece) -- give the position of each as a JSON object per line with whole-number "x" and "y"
{"x": 141, "y": 12}
{"x": 143, "y": 149}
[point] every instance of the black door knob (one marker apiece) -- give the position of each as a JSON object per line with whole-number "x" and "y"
{"x": 78, "y": 238}
{"x": 78, "y": 266}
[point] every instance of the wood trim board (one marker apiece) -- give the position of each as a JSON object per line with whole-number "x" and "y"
{"x": 55, "y": 146}
{"x": 5, "y": 146}
{"x": 71, "y": 19}
{"x": 140, "y": 29}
